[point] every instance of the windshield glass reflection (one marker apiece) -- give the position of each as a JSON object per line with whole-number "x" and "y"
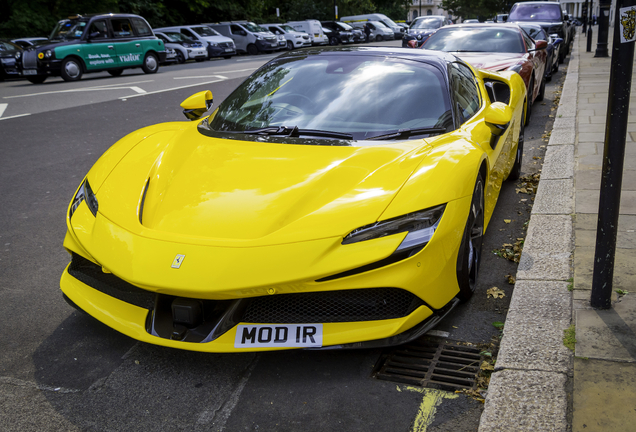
{"x": 467, "y": 39}
{"x": 535, "y": 12}
{"x": 68, "y": 29}
{"x": 359, "y": 95}
{"x": 427, "y": 23}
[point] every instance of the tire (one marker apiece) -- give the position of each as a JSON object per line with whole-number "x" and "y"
{"x": 378, "y": 38}
{"x": 541, "y": 94}
{"x": 555, "y": 68}
{"x": 469, "y": 256}
{"x": 151, "y": 63}
{"x": 251, "y": 49}
{"x": 38, "y": 79}
{"x": 71, "y": 69}
{"x": 290, "y": 45}
{"x": 333, "y": 41}
{"x": 180, "y": 58}
{"x": 515, "y": 172}
{"x": 116, "y": 72}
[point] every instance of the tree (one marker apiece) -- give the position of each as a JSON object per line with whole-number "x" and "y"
{"x": 482, "y": 9}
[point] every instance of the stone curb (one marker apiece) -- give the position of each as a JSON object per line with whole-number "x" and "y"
{"x": 528, "y": 389}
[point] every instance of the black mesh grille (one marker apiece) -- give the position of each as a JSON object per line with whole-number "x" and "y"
{"x": 93, "y": 276}
{"x": 333, "y": 306}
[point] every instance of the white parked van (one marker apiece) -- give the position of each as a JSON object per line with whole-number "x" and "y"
{"x": 248, "y": 37}
{"x": 379, "y": 31}
{"x": 313, "y": 29}
{"x": 397, "y": 30}
{"x": 215, "y": 44}
{"x": 295, "y": 39}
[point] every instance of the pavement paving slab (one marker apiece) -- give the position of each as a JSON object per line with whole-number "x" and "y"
{"x": 606, "y": 399}
{"x": 608, "y": 334}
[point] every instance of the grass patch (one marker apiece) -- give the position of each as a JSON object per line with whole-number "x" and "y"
{"x": 569, "y": 337}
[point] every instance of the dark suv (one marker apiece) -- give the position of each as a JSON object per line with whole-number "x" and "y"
{"x": 104, "y": 42}
{"x": 546, "y": 14}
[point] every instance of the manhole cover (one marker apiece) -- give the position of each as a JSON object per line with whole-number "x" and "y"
{"x": 445, "y": 365}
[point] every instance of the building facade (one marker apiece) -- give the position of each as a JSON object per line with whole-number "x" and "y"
{"x": 425, "y": 7}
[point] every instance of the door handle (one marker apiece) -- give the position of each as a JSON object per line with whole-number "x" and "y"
{"x": 111, "y": 47}
{"x": 137, "y": 45}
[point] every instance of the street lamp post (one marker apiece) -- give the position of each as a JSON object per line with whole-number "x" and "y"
{"x": 587, "y": 15}
{"x": 603, "y": 28}
{"x": 613, "y": 157}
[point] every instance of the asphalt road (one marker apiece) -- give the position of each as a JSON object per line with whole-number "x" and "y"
{"x": 61, "y": 370}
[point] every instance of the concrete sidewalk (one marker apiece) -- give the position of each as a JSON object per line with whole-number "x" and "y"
{"x": 538, "y": 384}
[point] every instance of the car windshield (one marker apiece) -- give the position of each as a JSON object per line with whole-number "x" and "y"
{"x": 427, "y": 23}
{"x": 287, "y": 28}
{"x": 344, "y": 26}
{"x": 205, "y": 31}
{"x": 476, "y": 39}
{"x": 535, "y": 12}
{"x": 535, "y": 33}
{"x": 176, "y": 37}
{"x": 363, "y": 96}
{"x": 254, "y": 28}
{"x": 389, "y": 22}
{"x": 379, "y": 24}
{"x": 68, "y": 29}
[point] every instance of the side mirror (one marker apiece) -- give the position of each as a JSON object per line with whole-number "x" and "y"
{"x": 196, "y": 105}
{"x": 566, "y": 17}
{"x": 497, "y": 117}
{"x": 540, "y": 45}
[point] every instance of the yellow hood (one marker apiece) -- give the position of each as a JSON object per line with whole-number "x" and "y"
{"x": 245, "y": 193}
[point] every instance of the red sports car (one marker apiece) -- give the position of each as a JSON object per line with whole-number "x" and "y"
{"x": 497, "y": 47}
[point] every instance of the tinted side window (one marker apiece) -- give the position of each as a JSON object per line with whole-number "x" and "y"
{"x": 188, "y": 33}
{"x": 142, "y": 27}
{"x": 98, "y": 30}
{"x": 121, "y": 27}
{"x": 465, "y": 91}
{"x": 234, "y": 29}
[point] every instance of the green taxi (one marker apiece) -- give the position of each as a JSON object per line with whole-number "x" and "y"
{"x": 103, "y": 42}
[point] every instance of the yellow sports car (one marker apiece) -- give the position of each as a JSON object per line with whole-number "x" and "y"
{"x": 336, "y": 199}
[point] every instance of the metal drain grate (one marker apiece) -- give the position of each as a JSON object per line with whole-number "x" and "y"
{"x": 443, "y": 365}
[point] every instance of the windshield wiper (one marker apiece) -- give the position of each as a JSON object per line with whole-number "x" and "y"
{"x": 294, "y": 132}
{"x": 405, "y": 133}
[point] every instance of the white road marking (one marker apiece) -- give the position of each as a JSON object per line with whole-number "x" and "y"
{"x": 118, "y": 86}
{"x": 19, "y": 115}
{"x": 22, "y": 383}
{"x": 2, "y": 108}
{"x": 222, "y": 78}
{"x": 137, "y": 89}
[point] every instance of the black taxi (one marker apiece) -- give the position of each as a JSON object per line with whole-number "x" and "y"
{"x": 95, "y": 43}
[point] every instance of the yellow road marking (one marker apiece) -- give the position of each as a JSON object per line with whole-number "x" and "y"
{"x": 431, "y": 400}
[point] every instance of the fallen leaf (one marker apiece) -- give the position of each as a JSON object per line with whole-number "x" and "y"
{"x": 511, "y": 279}
{"x": 507, "y": 220}
{"x": 495, "y": 292}
{"x": 486, "y": 366}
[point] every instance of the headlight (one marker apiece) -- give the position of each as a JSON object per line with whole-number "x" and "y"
{"x": 48, "y": 54}
{"x": 516, "y": 68}
{"x": 420, "y": 226}
{"x": 212, "y": 44}
{"x": 259, "y": 38}
{"x": 85, "y": 193}
{"x": 18, "y": 55}
{"x": 187, "y": 45}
